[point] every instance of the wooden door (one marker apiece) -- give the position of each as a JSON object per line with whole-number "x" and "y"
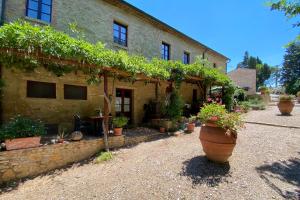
{"x": 123, "y": 103}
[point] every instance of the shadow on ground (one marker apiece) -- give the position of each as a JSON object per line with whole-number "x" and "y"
{"x": 284, "y": 171}
{"x": 202, "y": 171}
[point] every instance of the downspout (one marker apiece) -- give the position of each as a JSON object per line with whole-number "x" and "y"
{"x": 228, "y": 61}
{"x": 2, "y": 12}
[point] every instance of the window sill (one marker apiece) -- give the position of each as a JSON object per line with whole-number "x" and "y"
{"x": 38, "y": 21}
{"x": 120, "y": 46}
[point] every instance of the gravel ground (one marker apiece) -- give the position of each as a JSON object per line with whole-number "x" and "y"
{"x": 273, "y": 116}
{"x": 265, "y": 165}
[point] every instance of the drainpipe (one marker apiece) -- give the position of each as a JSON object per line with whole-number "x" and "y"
{"x": 2, "y": 12}
{"x": 228, "y": 61}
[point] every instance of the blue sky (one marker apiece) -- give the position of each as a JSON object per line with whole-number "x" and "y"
{"x": 228, "y": 26}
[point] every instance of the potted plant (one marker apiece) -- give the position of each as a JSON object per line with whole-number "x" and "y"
{"x": 285, "y": 104}
{"x": 218, "y": 133}
{"x": 162, "y": 129}
{"x": 298, "y": 96}
{"x": 119, "y": 123}
{"x": 263, "y": 90}
{"x": 21, "y": 133}
{"x": 191, "y": 124}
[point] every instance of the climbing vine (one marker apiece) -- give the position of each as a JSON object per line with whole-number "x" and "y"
{"x": 40, "y": 44}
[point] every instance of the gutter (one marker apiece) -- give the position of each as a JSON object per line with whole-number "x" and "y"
{"x": 2, "y": 12}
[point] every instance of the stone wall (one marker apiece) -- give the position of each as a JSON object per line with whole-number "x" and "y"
{"x": 60, "y": 110}
{"x": 244, "y": 78}
{"x": 95, "y": 19}
{"x": 30, "y": 162}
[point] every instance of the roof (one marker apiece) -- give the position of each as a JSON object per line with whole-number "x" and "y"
{"x": 163, "y": 25}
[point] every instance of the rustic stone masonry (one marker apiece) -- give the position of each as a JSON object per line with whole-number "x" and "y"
{"x": 31, "y": 162}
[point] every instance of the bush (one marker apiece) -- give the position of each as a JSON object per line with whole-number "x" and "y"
{"x": 286, "y": 98}
{"x": 245, "y": 106}
{"x": 103, "y": 156}
{"x": 174, "y": 109}
{"x": 22, "y": 127}
{"x": 225, "y": 120}
{"x": 120, "y": 122}
{"x": 240, "y": 94}
{"x": 263, "y": 89}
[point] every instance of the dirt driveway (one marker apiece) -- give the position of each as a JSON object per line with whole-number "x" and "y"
{"x": 265, "y": 165}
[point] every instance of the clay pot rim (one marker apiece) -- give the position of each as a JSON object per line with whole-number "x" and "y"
{"x": 22, "y": 138}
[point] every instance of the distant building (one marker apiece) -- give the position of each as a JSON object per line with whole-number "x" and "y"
{"x": 244, "y": 78}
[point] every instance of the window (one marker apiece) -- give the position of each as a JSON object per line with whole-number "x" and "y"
{"x": 186, "y": 58}
{"x": 120, "y": 34}
{"x": 165, "y": 51}
{"x": 37, "y": 89}
{"x": 75, "y": 92}
{"x": 39, "y": 9}
{"x": 215, "y": 65}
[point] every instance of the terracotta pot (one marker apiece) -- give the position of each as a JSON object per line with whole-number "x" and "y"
{"x": 60, "y": 140}
{"x": 22, "y": 143}
{"x": 191, "y": 127}
{"x": 285, "y": 107}
{"x": 216, "y": 144}
{"x": 162, "y": 129}
{"x": 118, "y": 131}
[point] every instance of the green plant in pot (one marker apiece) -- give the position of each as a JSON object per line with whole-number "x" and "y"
{"x": 264, "y": 90}
{"x": 218, "y": 132}
{"x": 119, "y": 123}
{"x": 285, "y": 104}
{"x": 22, "y": 132}
{"x": 191, "y": 124}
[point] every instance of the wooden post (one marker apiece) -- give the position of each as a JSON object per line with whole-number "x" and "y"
{"x": 106, "y": 113}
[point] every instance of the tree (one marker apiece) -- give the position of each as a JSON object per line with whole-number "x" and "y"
{"x": 291, "y": 8}
{"x": 290, "y": 73}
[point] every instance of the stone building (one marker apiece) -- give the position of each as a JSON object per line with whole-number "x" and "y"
{"x": 244, "y": 78}
{"x": 120, "y": 26}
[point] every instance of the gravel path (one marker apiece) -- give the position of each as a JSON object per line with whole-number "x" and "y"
{"x": 265, "y": 165}
{"x": 273, "y": 116}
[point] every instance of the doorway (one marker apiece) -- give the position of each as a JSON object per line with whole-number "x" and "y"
{"x": 123, "y": 103}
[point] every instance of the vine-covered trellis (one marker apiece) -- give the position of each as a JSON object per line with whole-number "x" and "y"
{"x": 25, "y": 46}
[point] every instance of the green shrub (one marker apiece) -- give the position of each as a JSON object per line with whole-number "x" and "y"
{"x": 257, "y": 103}
{"x": 240, "y": 94}
{"x": 298, "y": 94}
{"x": 174, "y": 109}
{"x": 103, "y": 156}
{"x": 22, "y": 127}
{"x": 245, "y": 106}
{"x": 225, "y": 120}
{"x": 263, "y": 89}
{"x": 120, "y": 122}
{"x": 286, "y": 97}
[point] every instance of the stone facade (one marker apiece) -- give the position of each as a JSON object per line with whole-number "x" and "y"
{"x": 244, "y": 78}
{"x": 95, "y": 19}
{"x": 60, "y": 110}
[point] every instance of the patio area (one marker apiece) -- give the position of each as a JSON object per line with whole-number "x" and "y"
{"x": 264, "y": 165}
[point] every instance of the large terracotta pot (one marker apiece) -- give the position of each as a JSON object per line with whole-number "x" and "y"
{"x": 191, "y": 127}
{"x": 118, "y": 131}
{"x": 216, "y": 144}
{"x": 22, "y": 143}
{"x": 285, "y": 107}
